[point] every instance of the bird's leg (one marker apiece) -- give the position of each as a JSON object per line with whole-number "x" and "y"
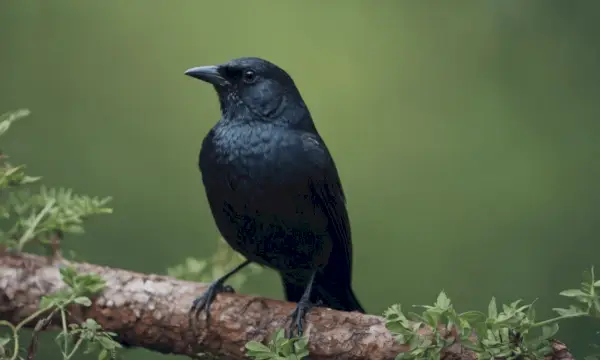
{"x": 204, "y": 301}
{"x": 302, "y": 308}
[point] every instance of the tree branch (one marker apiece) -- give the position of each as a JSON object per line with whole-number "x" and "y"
{"x": 151, "y": 311}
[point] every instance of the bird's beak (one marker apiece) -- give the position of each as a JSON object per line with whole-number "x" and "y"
{"x": 210, "y": 74}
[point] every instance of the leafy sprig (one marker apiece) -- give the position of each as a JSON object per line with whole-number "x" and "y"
{"x": 73, "y": 337}
{"x": 512, "y": 332}
{"x": 41, "y": 215}
{"x": 279, "y": 348}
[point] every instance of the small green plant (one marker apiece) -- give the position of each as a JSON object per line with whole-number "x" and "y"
{"x": 72, "y": 337}
{"x": 207, "y": 270}
{"x": 279, "y": 348}
{"x": 513, "y": 333}
{"x": 44, "y": 216}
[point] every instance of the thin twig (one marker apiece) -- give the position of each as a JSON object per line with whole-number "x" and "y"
{"x": 41, "y": 325}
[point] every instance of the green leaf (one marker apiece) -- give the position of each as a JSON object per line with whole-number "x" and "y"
{"x": 573, "y": 293}
{"x": 401, "y": 356}
{"x": 472, "y": 316}
{"x": 414, "y": 317}
{"x": 107, "y": 342}
{"x": 29, "y": 179}
{"x": 82, "y": 300}
{"x": 394, "y": 312}
{"x": 103, "y": 355}
{"x": 8, "y": 118}
{"x": 492, "y": 309}
{"x": 91, "y": 324}
{"x": 287, "y": 347}
{"x": 571, "y": 311}
{"x": 431, "y": 319}
{"x": 255, "y": 346}
{"x": 442, "y": 302}
{"x": 47, "y": 301}
{"x": 514, "y": 304}
{"x": 301, "y": 347}
{"x": 68, "y": 275}
{"x": 531, "y": 313}
{"x": 597, "y": 283}
{"x": 4, "y": 340}
{"x": 279, "y": 336}
{"x": 259, "y": 351}
{"x": 89, "y": 283}
{"x": 549, "y": 331}
{"x": 91, "y": 347}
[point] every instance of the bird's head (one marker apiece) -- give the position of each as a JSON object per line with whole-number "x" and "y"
{"x": 255, "y": 89}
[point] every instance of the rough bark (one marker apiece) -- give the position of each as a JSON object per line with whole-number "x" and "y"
{"x": 151, "y": 311}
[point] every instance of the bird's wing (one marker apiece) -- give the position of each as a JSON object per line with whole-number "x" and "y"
{"x": 328, "y": 194}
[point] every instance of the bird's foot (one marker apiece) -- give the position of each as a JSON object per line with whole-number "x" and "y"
{"x": 297, "y": 318}
{"x": 203, "y": 302}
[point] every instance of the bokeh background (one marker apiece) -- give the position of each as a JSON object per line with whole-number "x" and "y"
{"x": 466, "y": 133}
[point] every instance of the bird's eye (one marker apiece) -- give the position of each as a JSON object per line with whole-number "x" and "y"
{"x": 249, "y": 76}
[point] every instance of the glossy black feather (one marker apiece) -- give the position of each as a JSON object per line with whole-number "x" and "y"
{"x": 273, "y": 187}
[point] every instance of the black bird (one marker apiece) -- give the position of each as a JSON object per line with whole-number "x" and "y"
{"x": 273, "y": 187}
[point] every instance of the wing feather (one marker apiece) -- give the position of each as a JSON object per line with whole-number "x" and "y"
{"x": 328, "y": 194}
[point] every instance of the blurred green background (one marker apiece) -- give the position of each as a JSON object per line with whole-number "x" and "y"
{"x": 466, "y": 133}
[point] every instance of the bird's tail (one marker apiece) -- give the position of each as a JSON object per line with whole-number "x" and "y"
{"x": 326, "y": 294}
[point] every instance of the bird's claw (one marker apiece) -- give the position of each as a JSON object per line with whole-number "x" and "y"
{"x": 203, "y": 302}
{"x": 297, "y": 318}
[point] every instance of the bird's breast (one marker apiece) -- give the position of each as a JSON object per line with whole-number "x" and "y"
{"x": 258, "y": 170}
{"x": 250, "y": 156}
{"x": 257, "y": 182}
